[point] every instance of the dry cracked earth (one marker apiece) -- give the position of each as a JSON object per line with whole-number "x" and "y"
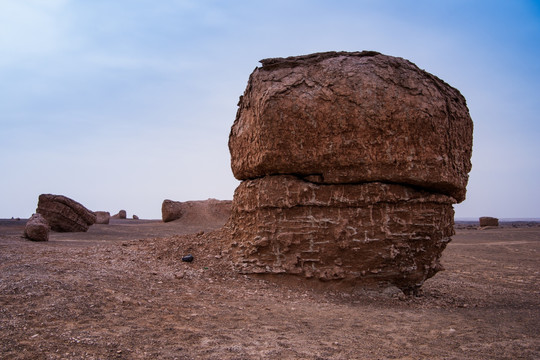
{"x": 121, "y": 291}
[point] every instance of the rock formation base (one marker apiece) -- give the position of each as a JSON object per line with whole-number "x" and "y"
{"x": 372, "y": 232}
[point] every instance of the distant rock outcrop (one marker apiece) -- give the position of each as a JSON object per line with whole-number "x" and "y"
{"x": 37, "y": 228}
{"x": 103, "y": 217}
{"x": 350, "y": 164}
{"x": 135, "y": 217}
{"x": 64, "y": 214}
{"x": 122, "y": 214}
{"x": 488, "y": 221}
{"x": 210, "y": 210}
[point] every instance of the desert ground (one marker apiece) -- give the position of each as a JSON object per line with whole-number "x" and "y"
{"x": 121, "y": 291}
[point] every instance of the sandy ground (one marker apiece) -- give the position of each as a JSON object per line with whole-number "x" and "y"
{"x": 121, "y": 291}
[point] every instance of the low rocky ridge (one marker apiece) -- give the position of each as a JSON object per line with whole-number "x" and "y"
{"x": 350, "y": 164}
{"x": 211, "y": 210}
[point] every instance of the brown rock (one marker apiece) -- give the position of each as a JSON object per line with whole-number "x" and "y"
{"x": 37, "y": 228}
{"x": 122, "y": 214}
{"x": 488, "y": 221}
{"x": 135, "y": 217}
{"x": 350, "y": 165}
{"x": 372, "y": 231}
{"x": 171, "y": 210}
{"x": 64, "y": 214}
{"x": 102, "y": 217}
{"x": 352, "y": 117}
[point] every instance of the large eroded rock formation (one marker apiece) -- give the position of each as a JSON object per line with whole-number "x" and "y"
{"x": 350, "y": 165}
{"x": 64, "y": 214}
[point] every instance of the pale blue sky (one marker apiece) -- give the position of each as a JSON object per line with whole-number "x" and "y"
{"x": 122, "y": 104}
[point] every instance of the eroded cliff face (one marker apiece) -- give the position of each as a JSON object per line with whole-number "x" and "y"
{"x": 350, "y": 165}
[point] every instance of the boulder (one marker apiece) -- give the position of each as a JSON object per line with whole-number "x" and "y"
{"x": 171, "y": 210}
{"x": 356, "y": 117}
{"x": 64, "y": 214}
{"x": 488, "y": 221}
{"x": 135, "y": 217}
{"x": 350, "y": 164}
{"x": 122, "y": 214}
{"x": 37, "y": 228}
{"x": 102, "y": 217}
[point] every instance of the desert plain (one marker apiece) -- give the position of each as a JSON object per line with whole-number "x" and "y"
{"x": 121, "y": 291}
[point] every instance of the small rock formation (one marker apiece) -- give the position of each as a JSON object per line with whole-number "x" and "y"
{"x": 122, "y": 214}
{"x": 350, "y": 164}
{"x": 488, "y": 221}
{"x": 103, "y": 217}
{"x": 64, "y": 214}
{"x": 171, "y": 210}
{"x": 135, "y": 217}
{"x": 210, "y": 210}
{"x": 37, "y": 228}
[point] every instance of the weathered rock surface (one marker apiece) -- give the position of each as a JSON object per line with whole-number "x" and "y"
{"x": 350, "y": 165}
{"x": 350, "y": 118}
{"x": 64, "y": 214}
{"x": 171, "y": 210}
{"x": 37, "y": 228}
{"x": 488, "y": 221}
{"x": 372, "y": 232}
{"x": 212, "y": 210}
{"x": 102, "y": 217}
{"x": 122, "y": 214}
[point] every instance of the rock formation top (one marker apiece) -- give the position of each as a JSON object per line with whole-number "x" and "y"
{"x": 352, "y": 117}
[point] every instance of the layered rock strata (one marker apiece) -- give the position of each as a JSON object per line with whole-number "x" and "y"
{"x": 64, "y": 214}
{"x": 350, "y": 165}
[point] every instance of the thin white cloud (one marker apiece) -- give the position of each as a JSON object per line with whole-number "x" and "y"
{"x": 30, "y": 28}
